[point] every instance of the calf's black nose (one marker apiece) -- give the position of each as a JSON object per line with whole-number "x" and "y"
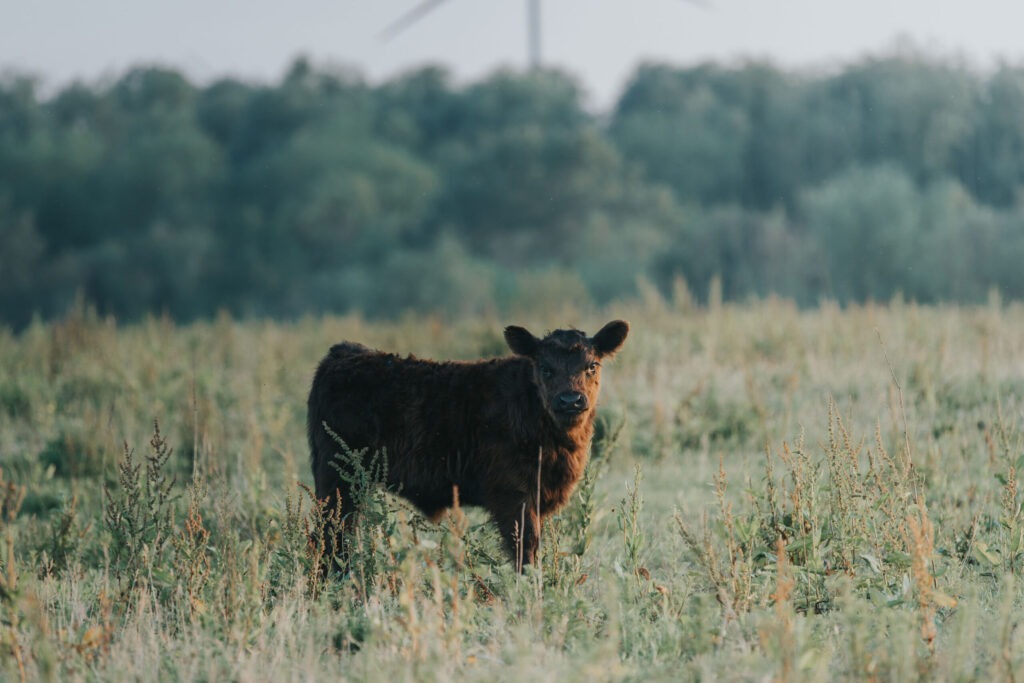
{"x": 571, "y": 400}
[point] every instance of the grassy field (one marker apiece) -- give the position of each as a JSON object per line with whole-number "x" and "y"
{"x": 774, "y": 495}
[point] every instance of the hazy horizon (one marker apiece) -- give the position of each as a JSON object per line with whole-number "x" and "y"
{"x": 601, "y": 44}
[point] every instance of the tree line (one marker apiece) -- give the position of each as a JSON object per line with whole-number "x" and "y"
{"x": 323, "y": 192}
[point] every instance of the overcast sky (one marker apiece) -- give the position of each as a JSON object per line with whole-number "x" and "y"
{"x": 600, "y": 41}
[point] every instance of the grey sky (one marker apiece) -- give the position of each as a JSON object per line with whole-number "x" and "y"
{"x": 600, "y": 41}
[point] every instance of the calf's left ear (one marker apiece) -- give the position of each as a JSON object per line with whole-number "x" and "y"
{"x": 610, "y": 338}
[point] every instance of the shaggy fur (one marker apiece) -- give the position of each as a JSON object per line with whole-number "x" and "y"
{"x": 478, "y": 426}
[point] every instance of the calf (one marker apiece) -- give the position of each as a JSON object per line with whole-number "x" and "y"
{"x": 483, "y": 426}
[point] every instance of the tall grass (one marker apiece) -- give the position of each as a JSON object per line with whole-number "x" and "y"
{"x": 774, "y": 494}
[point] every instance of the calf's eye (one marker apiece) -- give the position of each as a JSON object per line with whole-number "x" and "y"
{"x": 592, "y": 368}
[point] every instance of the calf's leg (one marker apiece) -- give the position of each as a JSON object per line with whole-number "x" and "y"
{"x": 520, "y": 529}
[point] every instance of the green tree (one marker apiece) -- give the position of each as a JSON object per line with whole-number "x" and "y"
{"x": 866, "y": 221}
{"x": 332, "y": 196}
{"x": 905, "y": 110}
{"x": 992, "y": 157}
{"x": 419, "y": 111}
{"x": 21, "y": 261}
{"x": 751, "y": 253}
{"x": 526, "y": 168}
{"x": 161, "y": 166}
{"x": 686, "y": 130}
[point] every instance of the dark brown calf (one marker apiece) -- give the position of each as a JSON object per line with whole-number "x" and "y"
{"x": 479, "y": 426}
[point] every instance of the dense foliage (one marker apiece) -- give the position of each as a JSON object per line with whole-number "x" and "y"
{"x": 325, "y": 193}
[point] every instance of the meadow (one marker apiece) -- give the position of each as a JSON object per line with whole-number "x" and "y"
{"x": 774, "y": 494}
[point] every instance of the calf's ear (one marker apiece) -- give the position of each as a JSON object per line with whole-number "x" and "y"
{"x": 610, "y": 338}
{"x": 521, "y": 341}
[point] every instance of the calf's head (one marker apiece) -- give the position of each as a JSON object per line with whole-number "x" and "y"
{"x": 567, "y": 366}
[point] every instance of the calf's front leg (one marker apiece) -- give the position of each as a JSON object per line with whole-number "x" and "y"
{"x": 519, "y": 525}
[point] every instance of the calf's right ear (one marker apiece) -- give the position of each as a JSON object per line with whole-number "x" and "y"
{"x": 608, "y": 340}
{"x": 521, "y": 341}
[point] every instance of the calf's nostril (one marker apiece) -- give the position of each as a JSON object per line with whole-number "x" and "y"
{"x": 571, "y": 399}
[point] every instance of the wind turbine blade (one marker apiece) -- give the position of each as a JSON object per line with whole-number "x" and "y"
{"x": 408, "y": 19}
{"x": 533, "y": 34}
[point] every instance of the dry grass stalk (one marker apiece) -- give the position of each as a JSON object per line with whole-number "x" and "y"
{"x": 784, "y": 585}
{"x": 920, "y": 544}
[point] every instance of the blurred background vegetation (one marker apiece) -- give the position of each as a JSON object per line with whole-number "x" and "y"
{"x": 894, "y": 175}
